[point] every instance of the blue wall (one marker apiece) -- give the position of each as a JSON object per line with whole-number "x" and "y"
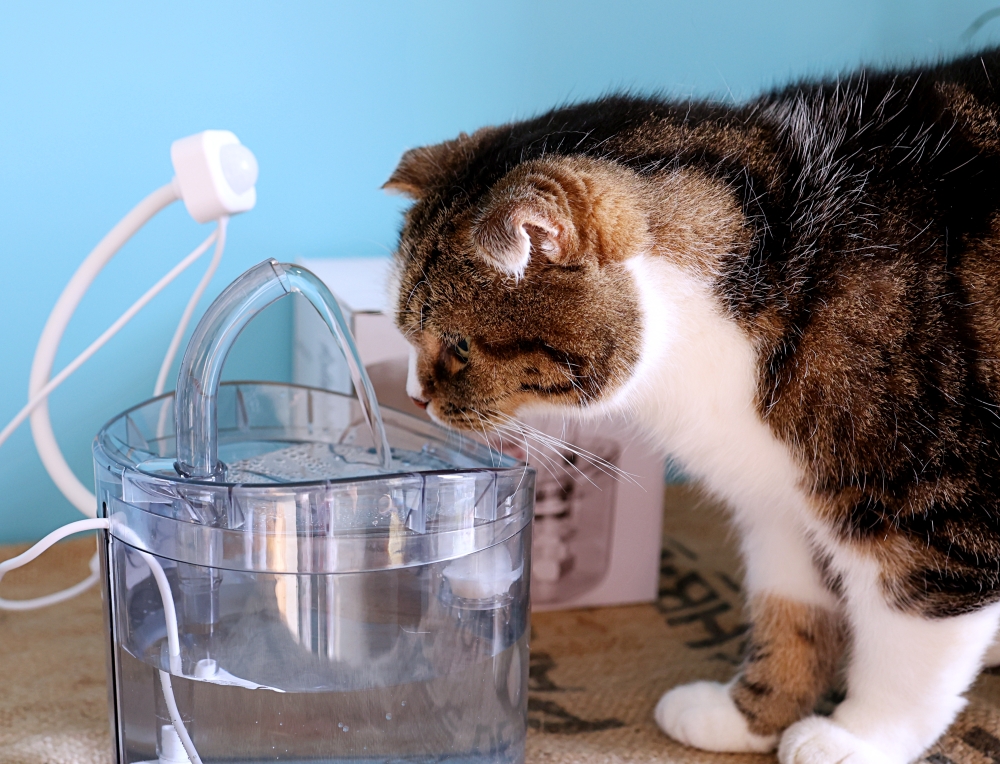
{"x": 327, "y": 95}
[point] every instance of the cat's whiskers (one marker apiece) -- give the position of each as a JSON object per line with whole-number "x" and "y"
{"x": 527, "y": 456}
{"x": 544, "y": 460}
{"x": 559, "y": 461}
{"x": 573, "y": 376}
{"x": 415, "y": 287}
{"x": 527, "y": 451}
{"x": 560, "y": 446}
{"x": 501, "y": 428}
{"x": 482, "y": 428}
{"x": 560, "y": 443}
{"x": 486, "y": 437}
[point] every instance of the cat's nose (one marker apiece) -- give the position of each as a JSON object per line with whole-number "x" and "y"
{"x": 420, "y": 402}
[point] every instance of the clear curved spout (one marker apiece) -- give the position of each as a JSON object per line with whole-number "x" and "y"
{"x": 201, "y": 368}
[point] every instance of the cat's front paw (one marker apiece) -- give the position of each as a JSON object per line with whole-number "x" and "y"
{"x": 703, "y": 715}
{"x": 817, "y": 740}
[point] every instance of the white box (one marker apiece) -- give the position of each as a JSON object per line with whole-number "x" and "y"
{"x": 596, "y": 539}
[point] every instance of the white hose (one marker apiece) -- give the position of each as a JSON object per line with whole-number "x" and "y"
{"x": 175, "y": 718}
{"x": 40, "y": 386}
{"x": 127, "y": 535}
{"x": 25, "y": 557}
{"x": 48, "y": 345}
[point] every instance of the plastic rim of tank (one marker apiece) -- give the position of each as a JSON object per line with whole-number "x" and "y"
{"x": 394, "y": 520}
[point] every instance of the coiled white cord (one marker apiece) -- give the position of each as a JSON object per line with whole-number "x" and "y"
{"x": 198, "y": 161}
{"x": 40, "y": 386}
{"x": 40, "y": 397}
{"x": 55, "y": 326}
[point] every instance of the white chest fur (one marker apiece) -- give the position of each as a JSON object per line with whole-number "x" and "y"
{"x": 694, "y": 392}
{"x": 695, "y": 389}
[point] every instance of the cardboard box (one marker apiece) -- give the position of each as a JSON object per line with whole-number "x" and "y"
{"x": 596, "y": 539}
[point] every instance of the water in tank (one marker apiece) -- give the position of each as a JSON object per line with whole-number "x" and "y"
{"x": 295, "y": 575}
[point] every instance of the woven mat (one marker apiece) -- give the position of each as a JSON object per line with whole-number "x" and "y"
{"x": 595, "y": 674}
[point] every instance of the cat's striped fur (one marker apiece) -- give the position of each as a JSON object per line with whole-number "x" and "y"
{"x": 799, "y": 298}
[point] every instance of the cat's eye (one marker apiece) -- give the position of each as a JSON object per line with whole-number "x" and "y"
{"x": 462, "y": 349}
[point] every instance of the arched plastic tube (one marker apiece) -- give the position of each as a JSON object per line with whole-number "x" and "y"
{"x": 189, "y": 309}
{"x": 195, "y": 408}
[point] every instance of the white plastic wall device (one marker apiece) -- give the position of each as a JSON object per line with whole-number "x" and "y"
{"x": 215, "y": 174}
{"x": 229, "y": 178}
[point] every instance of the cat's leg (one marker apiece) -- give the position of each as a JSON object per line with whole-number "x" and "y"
{"x": 905, "y": 681}
{"x": 794, "y": 645}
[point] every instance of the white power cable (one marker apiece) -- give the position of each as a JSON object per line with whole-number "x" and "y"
{"x": 193, "y": 158}
{"x": 97, "y": 344}
{"x": 37, "y": 406}
{"x": 127, "y": 535}
{"x": 25, "y": 557}
{"x": 175, "y": 341}
{"x": 42, "y": 396}
{"x": 48, "y": 345}
{"x": 175, "y": 718}
{"x": 162, "y": 583}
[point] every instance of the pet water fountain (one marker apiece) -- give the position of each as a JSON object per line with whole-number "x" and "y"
{"x": 294, "y": 575}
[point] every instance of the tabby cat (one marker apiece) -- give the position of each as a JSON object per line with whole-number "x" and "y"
{"x": 798, "y": 298}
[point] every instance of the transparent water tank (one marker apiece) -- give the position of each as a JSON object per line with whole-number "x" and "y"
{"x": 314, "y": 597}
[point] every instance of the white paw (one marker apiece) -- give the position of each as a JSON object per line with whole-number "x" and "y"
{"x": 817, "y": 740}
{"x": 703, "y": 715}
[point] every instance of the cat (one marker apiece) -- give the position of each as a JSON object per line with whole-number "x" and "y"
{"x": 798, "y": 298}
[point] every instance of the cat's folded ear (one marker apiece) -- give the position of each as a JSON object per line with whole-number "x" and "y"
{"x": 568, "y": 210}
{"x": 418, "y": 169}
{"x": 422, "y": 168}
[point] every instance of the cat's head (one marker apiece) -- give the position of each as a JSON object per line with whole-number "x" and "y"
{"x": 512, "y": 278}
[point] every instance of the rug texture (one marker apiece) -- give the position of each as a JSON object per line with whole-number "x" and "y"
{"x": 595, "y": 674}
